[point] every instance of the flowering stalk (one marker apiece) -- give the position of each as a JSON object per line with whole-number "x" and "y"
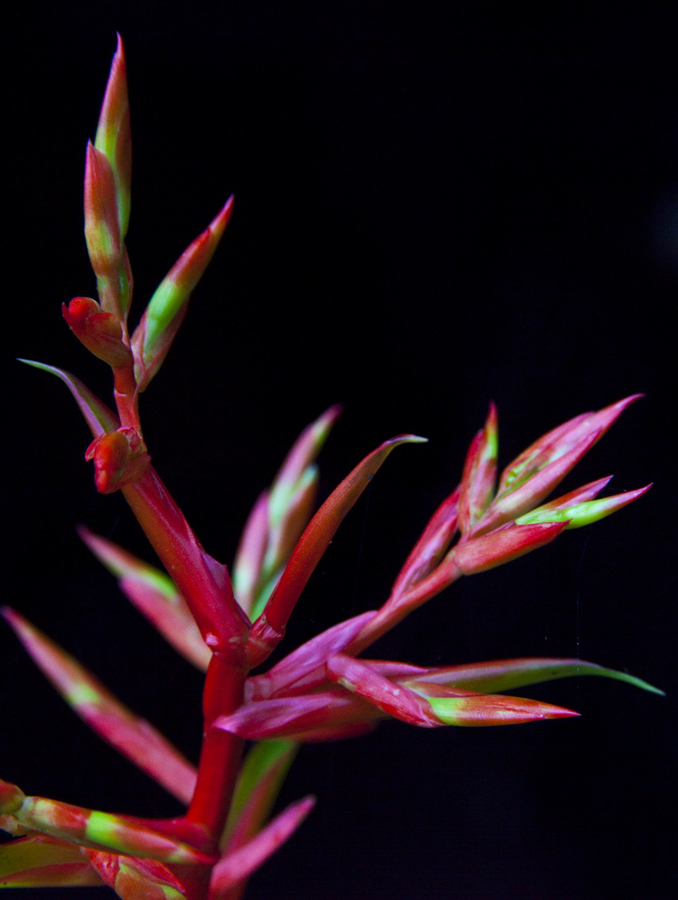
{"x": 228, "y": 626}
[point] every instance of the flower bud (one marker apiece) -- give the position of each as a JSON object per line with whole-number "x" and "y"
{"x": 120, "y": 458}
{"x": 99, "y": 331}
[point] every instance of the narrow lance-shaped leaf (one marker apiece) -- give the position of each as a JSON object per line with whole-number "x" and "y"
{"x": 42, "y": 861}
{"x": 131, "y": 735}
{"x": 279, "y": 517}
{"x": 155, "y": 596}
{"x": 246, "y": 571}
{"x": 97, "y": 415}
{"x": 286, "y": 522}
{"x": 269, "y": 628}
{"x": 259, "y": 782}
{"x": 237, "y": 866}
{"x": 506, "y": 674}
{"x": 167, "y": 307}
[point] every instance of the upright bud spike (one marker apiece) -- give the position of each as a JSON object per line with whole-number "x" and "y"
{"x": 114, "y": 137}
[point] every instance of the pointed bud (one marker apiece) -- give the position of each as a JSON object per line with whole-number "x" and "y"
{"x": 554, "y": 444}
{"x": 167, "y": 307}
{"x": 480, "y": 472}
{"x": 304, "y": 451}
{"x": 278, "y": 519}
{"x": 114, "y": 137}
{"x": 581, "y": 514}
{"x": 100, "y": 332}
{"x": 580, "y": 495}
{"x": 102, "y": 229}
{"x": 493, "y": 709}
{"x": 515, "y": 502}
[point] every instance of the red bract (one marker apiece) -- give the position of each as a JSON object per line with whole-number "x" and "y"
{"x": 321, "y": 690}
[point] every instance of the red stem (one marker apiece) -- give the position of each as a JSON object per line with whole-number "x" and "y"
{"x": 221, "y": 751}
{"x": 206, "y": 587}
{"x": 126, "y": 397}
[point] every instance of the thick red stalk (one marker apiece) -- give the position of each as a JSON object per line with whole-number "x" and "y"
{"x": 221, "y": 751}
{"x": 205, "y": 585}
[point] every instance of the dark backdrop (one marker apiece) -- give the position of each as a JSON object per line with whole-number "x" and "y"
{"x": 436, "y": 205}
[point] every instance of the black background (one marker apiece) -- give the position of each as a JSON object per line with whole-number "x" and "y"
{"x": 436, "y": 205}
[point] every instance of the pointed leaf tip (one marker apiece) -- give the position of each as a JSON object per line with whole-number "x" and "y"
{"x": 98, "y": 416}
{"x": 113, "y": 137}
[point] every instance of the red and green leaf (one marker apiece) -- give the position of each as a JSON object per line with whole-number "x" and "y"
{"x": 155, "y": 596}
{"x": 131, "y": 735}
{"x": 269, "y": 628}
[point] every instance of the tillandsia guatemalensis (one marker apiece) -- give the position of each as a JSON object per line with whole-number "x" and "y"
{"x": 227, "y": 624}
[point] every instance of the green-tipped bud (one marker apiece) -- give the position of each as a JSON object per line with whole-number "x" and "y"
{"x": 114, "y": 137}
{"x": 581, "y": 513}
{"x": 493, "y": 709}
{"x": 167, "y": 307}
